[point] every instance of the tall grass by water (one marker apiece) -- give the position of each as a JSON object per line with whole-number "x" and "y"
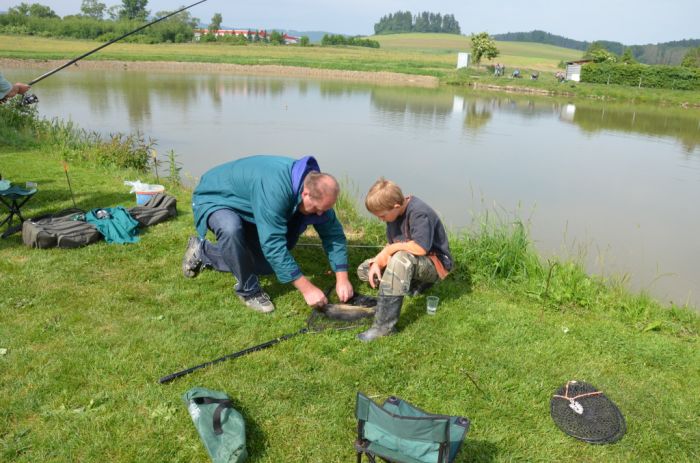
{"x": 85, "y": 333}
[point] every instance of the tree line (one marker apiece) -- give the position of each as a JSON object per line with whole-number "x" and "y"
{"x": 96, "y": 21}
{"x": 671, "y": 53}
{"x": 405, "y": 21}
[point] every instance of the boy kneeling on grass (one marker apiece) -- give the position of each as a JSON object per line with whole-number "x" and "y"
{"x": 418, "y": 253}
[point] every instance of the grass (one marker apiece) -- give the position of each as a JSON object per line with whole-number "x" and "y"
{"x": 88, "y": 332}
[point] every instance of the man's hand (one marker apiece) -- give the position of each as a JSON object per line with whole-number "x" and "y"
{"x": 375, "y": 275}
{"x": 21, "y": 88}
{"x": 343, "y": 287}
{"x": 315, "y": 297}
{"x": 18, "y": 88}
{"x": 312, "y": 295}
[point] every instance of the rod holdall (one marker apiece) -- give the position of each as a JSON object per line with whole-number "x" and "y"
{"x": 220, "y": 426}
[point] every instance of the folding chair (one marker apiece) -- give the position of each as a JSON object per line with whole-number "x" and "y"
{"x": 398, "y": 432}
{"x": 14, "y": 198}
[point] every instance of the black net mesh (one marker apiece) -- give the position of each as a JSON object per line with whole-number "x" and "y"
{"x": 320, "y": 321}
{"x": 581, "y": 411}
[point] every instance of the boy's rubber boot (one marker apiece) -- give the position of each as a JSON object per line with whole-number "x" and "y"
{"x": 386, "y": 315}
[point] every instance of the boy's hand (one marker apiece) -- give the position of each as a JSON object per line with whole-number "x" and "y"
{"x": 375, "y": 275}
{"x": 382, "y": 259}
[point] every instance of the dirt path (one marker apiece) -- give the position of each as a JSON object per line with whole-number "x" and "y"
{"x": 381, "y": 78}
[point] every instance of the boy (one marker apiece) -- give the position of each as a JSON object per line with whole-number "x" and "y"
{"x": 417, "y": 255}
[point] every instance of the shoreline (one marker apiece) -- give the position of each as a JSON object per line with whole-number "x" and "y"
{"x": 378, "y": 78}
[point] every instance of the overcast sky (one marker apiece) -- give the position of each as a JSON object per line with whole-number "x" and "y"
{"x": 632, "y": 22}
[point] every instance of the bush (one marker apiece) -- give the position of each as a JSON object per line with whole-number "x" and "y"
{"x": 672, "y": 77}
{"x": 339, "y": 39}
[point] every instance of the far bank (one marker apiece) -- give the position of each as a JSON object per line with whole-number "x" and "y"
{"x": 401, "y": 66}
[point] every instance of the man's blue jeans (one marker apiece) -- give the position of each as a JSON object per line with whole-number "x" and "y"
{"x": 237, "y": 250}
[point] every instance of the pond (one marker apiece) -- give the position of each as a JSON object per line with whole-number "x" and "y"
{"x": 614, "y": 185}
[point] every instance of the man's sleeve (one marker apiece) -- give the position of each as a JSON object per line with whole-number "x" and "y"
{"x": 272, "y": 233}
{"x": 5, "y": 86}
{"x": 334, "y": 242}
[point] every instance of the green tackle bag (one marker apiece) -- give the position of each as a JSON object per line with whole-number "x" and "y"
{"x": 220, "y": 426}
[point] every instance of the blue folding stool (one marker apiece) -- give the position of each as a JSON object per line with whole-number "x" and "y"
{"x": 13, "y": 198}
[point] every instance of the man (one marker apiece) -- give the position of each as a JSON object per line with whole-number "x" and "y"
{"x": 257, "y": 207}
{"x": 8, "y": 90}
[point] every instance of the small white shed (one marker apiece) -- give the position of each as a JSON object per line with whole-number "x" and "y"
{"x": 573, "y": 69}
{"x": 463, "y": 60}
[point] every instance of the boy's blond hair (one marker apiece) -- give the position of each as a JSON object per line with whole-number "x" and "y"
{"x": 383, "y": 196}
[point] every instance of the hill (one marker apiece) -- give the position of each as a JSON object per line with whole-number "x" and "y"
{"x": 512, "y": 54}
{"x": 661, "y": 53}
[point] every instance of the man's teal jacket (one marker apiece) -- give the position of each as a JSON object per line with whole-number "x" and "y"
{"x": 5, "y": 86}
{"x": 266, "y": 191}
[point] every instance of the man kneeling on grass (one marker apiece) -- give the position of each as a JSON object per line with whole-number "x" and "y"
{"x": 418, "y": 253}
{"x": 257, "y": 207}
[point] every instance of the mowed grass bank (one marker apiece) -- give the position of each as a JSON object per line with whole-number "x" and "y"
{"x": 432, "y": 54}
{"x": 339, "y": 58}
{"x": 86, "y": 334}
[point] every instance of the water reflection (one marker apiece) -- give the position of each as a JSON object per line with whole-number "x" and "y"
{"x": 478, "y": 114}
{"x": 681, "y": 124}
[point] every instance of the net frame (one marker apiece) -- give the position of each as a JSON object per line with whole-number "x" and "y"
{"x": 589, "y": 415}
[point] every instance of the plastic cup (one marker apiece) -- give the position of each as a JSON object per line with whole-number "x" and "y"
{"x": 431, "y": 304}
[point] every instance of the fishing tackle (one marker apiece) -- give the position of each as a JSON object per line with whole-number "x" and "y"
{"x": 27, "y": 99}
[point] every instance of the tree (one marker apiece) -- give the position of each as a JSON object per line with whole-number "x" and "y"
{"x": 304, "y": 42}
{"x": 692, "y": 58}
{"x": 134, "y": 9}
{"x": 603, "y": 56}
{"x": 34, "y": 10}
{"x": 113, "y": 12}
{"x": 627, "y": 57}
{"x": 277, "y": 38}
{"x": 483, "y": 46}
{"x": 599, "y": 54}
{"x": 93, "y": 9}
{"x": 215, "y": 23}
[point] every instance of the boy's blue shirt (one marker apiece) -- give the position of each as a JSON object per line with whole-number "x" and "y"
{"x": 266, "y": 191}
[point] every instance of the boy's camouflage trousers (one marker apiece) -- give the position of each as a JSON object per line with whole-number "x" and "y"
{"x": 403, "y": 268}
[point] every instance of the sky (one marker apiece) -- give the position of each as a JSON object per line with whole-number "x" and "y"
{"x": 632, "y": 22}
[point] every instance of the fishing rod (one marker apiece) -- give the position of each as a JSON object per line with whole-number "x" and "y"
{"x": 84, "y": 55}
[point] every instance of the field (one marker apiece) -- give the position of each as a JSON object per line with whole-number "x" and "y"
{"x": 431, "y": 54}
{"x": 534, "y": 56}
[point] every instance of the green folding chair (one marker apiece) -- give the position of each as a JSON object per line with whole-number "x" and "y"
{"x": 399, "y": 432}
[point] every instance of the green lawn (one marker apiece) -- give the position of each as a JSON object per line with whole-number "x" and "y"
{"x": 88, "y": 332}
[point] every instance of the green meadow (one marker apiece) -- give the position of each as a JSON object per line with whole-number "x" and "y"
{"x": 425, "y": 53}
{"x": 86, "y": 333}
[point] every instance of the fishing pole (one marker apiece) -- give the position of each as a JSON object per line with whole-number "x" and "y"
{"x": 84, "y": 55}
{"x": 65, "y": 169}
